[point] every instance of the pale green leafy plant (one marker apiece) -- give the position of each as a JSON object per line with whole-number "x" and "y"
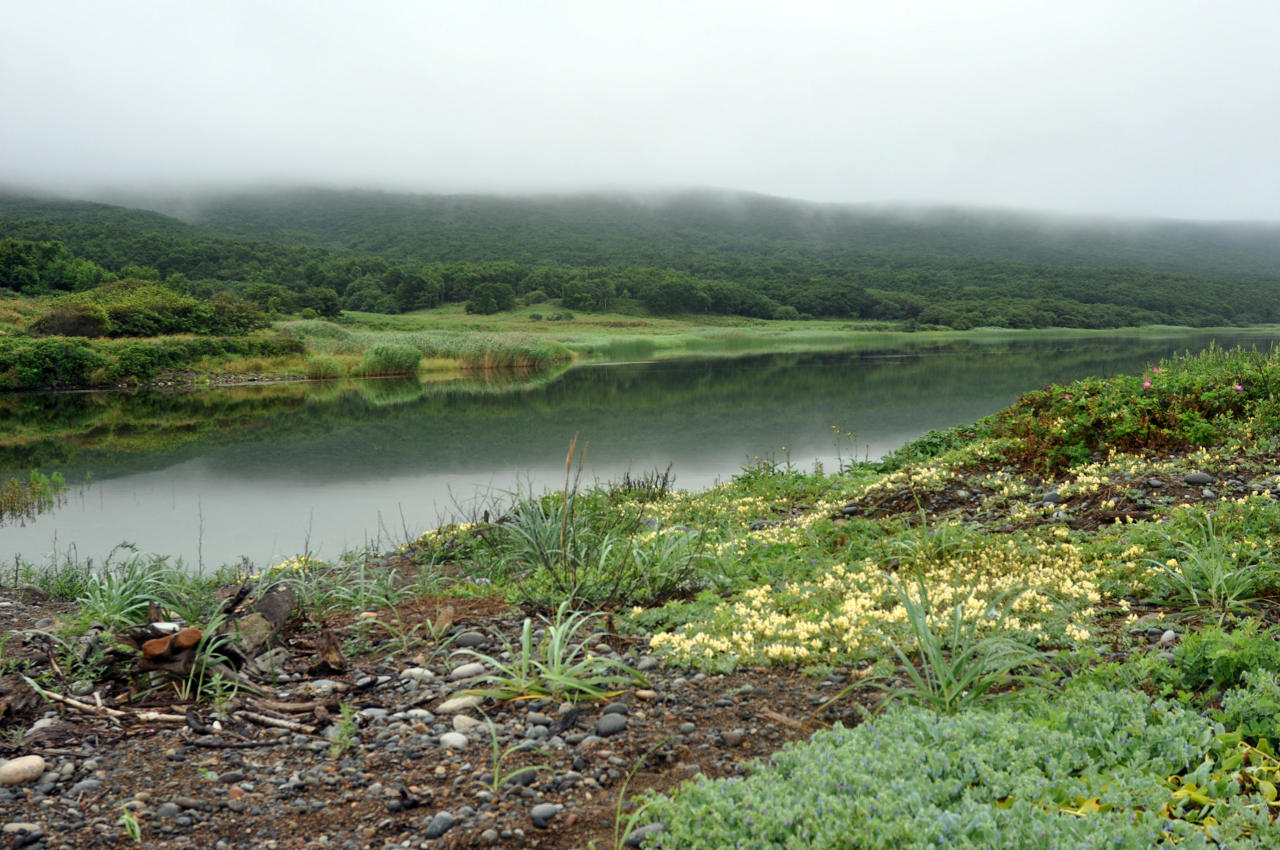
{"x": 957, "y": 667}
{"x": 559, "y": 665}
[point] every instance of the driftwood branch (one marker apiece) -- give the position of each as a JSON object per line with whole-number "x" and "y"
{"x": 277, "y": 722}
{"x": 103, "y": 711}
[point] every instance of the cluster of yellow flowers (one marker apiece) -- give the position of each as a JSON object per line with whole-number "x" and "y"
{"x": 847, "y": 610}
{"x": 925, "y": 479}
{"x": 438, "y": 535}
{"x": 296, "y": 564}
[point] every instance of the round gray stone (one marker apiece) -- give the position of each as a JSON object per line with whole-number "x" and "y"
{"x": 542, "y": 813}
{"x": 611, "y": 724}
{"x": 454, "y": 740}
{"x": 466, "y": 671}
{"x": 637, "y": 836}
{"x": 439, "y": 825}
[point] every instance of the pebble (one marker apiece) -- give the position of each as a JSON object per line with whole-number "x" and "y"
{"x": 1168, "y": 637}
{"x": 466, "y": 671}
{"x": 454, "y": 741}
{"x": 463, "y": 723}
{"x": 636, "y": 836}
{"x": 470, "y": 639}
{"x": 617, "y": 708}
{"x": 417, "y": 674}
{"x": 322, "y": 687}
{"x": 24, "y": 834}
{"x": 453, "y": 705}
{"x": 439, "y": 825}
{"x": 544, "y": 812}
{"x": 1198, "y": 479}
{"x": 734, "y": 737}
{"x": 611, "y": 724}
{"x": 23, "y": 769}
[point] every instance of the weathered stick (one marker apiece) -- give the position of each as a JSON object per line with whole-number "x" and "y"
{"x": 140, "y": 716}
{"x": 265, "y": 720}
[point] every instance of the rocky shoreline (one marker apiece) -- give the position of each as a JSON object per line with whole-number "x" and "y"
{"x": 391, "y": 756}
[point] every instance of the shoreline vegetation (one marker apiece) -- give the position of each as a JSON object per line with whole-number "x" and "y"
{"x": 1057, "y": 626}
{"x": 448, "y": 343}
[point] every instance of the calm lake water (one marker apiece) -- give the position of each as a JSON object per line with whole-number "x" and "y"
{"x": 267, "y": 472}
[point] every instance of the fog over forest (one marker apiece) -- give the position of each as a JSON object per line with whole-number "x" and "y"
{"x": 1149, "y": 108}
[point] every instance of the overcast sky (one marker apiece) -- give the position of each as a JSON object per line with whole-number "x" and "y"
{"x": 1131, "y": 107}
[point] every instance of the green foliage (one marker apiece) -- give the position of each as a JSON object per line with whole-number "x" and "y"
{"x": 1212, "y": 571}
{"x": 956, "y": 668}
{"x": 352, "y": 585}
{"x": 1087, "y": 769}
{"x": 491, "y": 297}
{"x": 498, "y": 777}
{"x": 120, "y": 596}
{"x": 347, "y": 734}
{"x": 1254, "y": 710}
{"x": 559, "y": 665}
{"x": 927, "y": 446}
{"x": 386, "y": 359}
{"x": 323, "y": 367}
{"x": 584, "y": 548}
{"x": 1188, "y": 401}
{"x": 42, "y": 267}
{"x": 134, "y": 308}
{"x": 1220, "y": 659}
{"x": 61, "y": 362}
{"x": 756, "y": 257}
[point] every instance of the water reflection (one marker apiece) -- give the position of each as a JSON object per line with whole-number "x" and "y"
{"x": 266, "y": 472}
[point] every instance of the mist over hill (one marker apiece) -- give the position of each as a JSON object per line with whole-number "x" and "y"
{"x": 689, "y": 251}
{"x": 652, "y": 227}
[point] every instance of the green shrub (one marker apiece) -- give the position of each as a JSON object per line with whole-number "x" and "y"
{"x": 1183, "y": 402}
{"x": 926, "y": 447}
{"x": 577, "y": 546}
{"x": 1218, "y": 658}
{"x": 54, "y": 362}
{"x": 322, "y": 367}
{"x": 491, "y": 298}
{"x": 133, "y": 308}
{"x": 1254, "y": 710}
{"x": 1088, "y": 769}
{"x": 389, "y": 359}
{"x": 48, "y": 362}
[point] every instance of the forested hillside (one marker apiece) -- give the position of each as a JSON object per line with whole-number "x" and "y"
{"x": 693, "y": 252}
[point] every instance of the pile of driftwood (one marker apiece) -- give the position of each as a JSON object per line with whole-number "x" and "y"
{"x": 241, "y": 652}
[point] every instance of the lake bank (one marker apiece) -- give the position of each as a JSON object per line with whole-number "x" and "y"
{"x": 1125, "y": 577}
{"x": 268, "y": 471}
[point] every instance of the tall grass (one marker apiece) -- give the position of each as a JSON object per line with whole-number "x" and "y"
{"x": 386, "y": 359}
{"x": 473, "y": 350}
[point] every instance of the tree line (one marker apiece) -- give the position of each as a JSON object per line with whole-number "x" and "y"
{"x": 61, "y": 247}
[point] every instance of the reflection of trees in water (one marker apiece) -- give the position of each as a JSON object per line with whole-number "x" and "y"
{"x": 673, "y": 408}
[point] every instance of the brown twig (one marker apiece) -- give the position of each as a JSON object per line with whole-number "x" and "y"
{"x": 140, "y": 716}
{"x": 279, "y": 723}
